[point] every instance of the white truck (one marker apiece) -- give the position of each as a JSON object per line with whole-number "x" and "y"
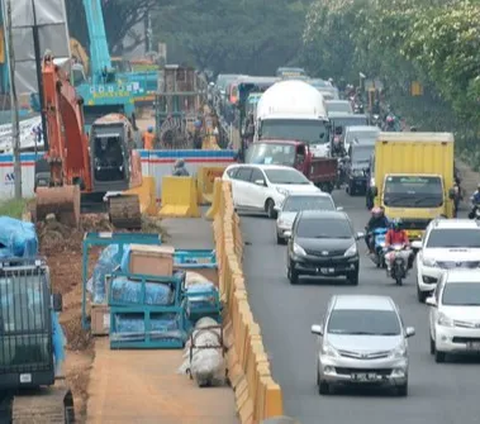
{"x": 294, "y": 110}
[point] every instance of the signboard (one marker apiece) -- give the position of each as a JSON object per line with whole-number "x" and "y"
{"x": 49, "y": 16}
{"x": 416, "y": 89}
{"x": 30, "y": 133}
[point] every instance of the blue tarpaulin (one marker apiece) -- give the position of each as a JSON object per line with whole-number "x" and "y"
{"x": 17, "y": 238}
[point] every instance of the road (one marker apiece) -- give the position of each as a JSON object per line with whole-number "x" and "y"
{"x": 438, "y": 393}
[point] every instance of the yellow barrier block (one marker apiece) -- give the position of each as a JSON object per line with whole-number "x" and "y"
{"x": 146, "y": 196}
{"x": 273, "y": 400}
{"x": 206, "y": 176}
{"x": 179, "y": 197}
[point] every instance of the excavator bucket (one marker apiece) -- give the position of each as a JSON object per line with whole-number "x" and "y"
{"x": 63, "y": 201}
{"x": 124, "y": 211}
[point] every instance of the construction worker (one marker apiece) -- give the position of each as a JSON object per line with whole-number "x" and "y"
{"x": 148, "y": 138}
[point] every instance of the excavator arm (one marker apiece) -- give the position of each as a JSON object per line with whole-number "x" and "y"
{"x": 68, "y": 152}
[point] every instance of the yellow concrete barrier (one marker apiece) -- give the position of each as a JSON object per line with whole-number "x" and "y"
{"x": 206, "y": 176}
{"x": 216, "y": 202}
{"x": 179, "y": 197}
{"x": 257, "y": 395}
{"x": 146, "y": 195}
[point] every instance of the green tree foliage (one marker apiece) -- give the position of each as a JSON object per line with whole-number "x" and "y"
{"x": 435, "y": 42}
{"x": 246, "y": 36}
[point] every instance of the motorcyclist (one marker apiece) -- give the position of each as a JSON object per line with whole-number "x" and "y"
{"x": 475, "y": 200}
{"x": 395, "y": 236}
{"x": 179, "y": 169}
{"x": 390, "y": 123}
{"x": 377, "y": 220}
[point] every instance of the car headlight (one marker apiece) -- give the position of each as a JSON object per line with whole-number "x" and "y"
{"x": 298, "y": 250}
{"x": 329, "y": 350}
{"x": 399, "y": 352}
{"x": 352, "y": 250}
{"x": 284, "y": 223}
{"x": 444, "y": 321}
{"x": 429, "y": 262}
{"x": 282, "y": 191}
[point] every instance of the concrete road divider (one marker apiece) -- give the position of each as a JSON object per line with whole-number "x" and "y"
{"x": 205, "y": 182}
{"x": 257, "y": 395}
{"x": 146, "y": 195}
{"x": 179, "y": 197}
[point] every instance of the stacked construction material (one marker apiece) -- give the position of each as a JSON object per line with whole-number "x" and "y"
{"x": 202, "y": 298}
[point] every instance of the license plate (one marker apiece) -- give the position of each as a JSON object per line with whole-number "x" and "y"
{"x": 364, "y": 377}
{"x": 473, "y": 345}
{"x": 25, "y": 378}
{"x": 326, "y": 270}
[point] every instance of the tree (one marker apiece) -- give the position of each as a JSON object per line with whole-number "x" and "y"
{"x": 248, "y": 36}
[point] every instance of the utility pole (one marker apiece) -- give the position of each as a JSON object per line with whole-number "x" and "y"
{"x": 17, "y": 166}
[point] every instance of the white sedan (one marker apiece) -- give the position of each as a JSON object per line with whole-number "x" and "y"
{"x": 262, "y": 188}
{"x": 299, "y": 202}
{"x": 455, "y": 314}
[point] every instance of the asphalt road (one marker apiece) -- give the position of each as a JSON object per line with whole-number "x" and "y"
{"x": 438, "y": 393}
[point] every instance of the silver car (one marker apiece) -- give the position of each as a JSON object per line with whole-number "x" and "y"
{"x": 295, "y": 203}
{"x": 362, "y": 341}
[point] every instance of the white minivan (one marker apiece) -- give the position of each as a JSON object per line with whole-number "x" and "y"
{"x": 260, "y": 188}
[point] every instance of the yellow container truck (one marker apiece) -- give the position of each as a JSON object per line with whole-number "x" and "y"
{"x": 414, "y": 175}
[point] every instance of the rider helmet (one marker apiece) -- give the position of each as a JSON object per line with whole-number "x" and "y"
{"x": 376, "y": 211}
{"x": 150, "y": 129}
{"x": 396, "y": 224}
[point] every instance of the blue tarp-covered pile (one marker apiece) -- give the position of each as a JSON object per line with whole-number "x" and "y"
{"x": 130, "y": 327}
{"x": 17, "y": 238}
{"x": 202, "y": 299}
{"x": 125, "y": 291}
{"x": 109, "y": 260}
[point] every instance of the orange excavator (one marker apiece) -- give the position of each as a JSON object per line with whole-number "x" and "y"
{"x": 81, "y": 173}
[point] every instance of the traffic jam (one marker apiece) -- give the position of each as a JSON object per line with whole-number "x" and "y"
{"x": 354, "y": 192}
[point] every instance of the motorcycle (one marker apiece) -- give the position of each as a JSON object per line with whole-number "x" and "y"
{"x": 341, "y": 171}
{"x": 377, "y": 121}
{"x": 358, "y": 108}
{"x": 400, "y": 265}
{"x": 378, "y": 254}
{"x": 474, "y": 211}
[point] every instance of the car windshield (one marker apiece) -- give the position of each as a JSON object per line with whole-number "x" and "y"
{"x": 312, "y": 131}
{"x": 364, "y": 322}
{"x": 324, "y": 228}
{"x": 339, "y": 107}
{"x": 413, "y": 191}
{"x": 271, "y": 154}
{"x": 461, "y": 294}
{"x": 362, "y": 154}
{"x": 453, "y": 238}
{"x": 302, "y": 203}
{"x": 349, "y": 121}
{"x": 286, "y": 176}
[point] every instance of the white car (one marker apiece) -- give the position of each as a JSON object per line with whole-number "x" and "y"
{"x": 455, "y": 314}
{"x": 300, "y": 202}
{"x": 446, "y": 244}
{"x": 260, "y": 188}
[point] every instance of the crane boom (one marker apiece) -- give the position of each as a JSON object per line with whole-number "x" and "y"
{"x": 100, "y": 61}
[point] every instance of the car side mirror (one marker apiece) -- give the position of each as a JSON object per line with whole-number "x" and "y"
{"x": 57, "y": 302}
{"x": 360, "y": 236}
{"x": 431, "y": 301}
{"x": 317, "y": 329}
{"x": 339, "y": 208}
{"x": 417, "y": 245}
{"x": 374, "y": 191}
{"x": 260, "y": 183}
{"x": 409, "y": 332}
{"x": 287, "y": 234}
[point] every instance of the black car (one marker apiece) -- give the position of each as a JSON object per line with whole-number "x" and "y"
{"x": 323, "y": 243}
{"x": 357, "y": 168}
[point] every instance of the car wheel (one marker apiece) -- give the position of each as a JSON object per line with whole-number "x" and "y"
{"x": 270, "y": 209}
{"x": 280, "y": 240}
{"x": 439, "y": 356}
{"x": 421, "y": 296}
{"x": 353, "y": 278}
{"x": 432, "y": 346}
{"x": 403, "y": 390}
{"x": 323, "y": 387}
{"x": 292, "y": 274}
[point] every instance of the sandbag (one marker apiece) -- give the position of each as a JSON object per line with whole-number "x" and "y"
{"x": 207, "y": 366}
{"x": 17, "y": 238}
{"x": 194, "y": 278}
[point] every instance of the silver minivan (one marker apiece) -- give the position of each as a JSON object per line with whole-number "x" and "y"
{"x": 362, "y": 341}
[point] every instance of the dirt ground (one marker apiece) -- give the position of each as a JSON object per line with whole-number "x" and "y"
{"x": 62, "y": 247}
